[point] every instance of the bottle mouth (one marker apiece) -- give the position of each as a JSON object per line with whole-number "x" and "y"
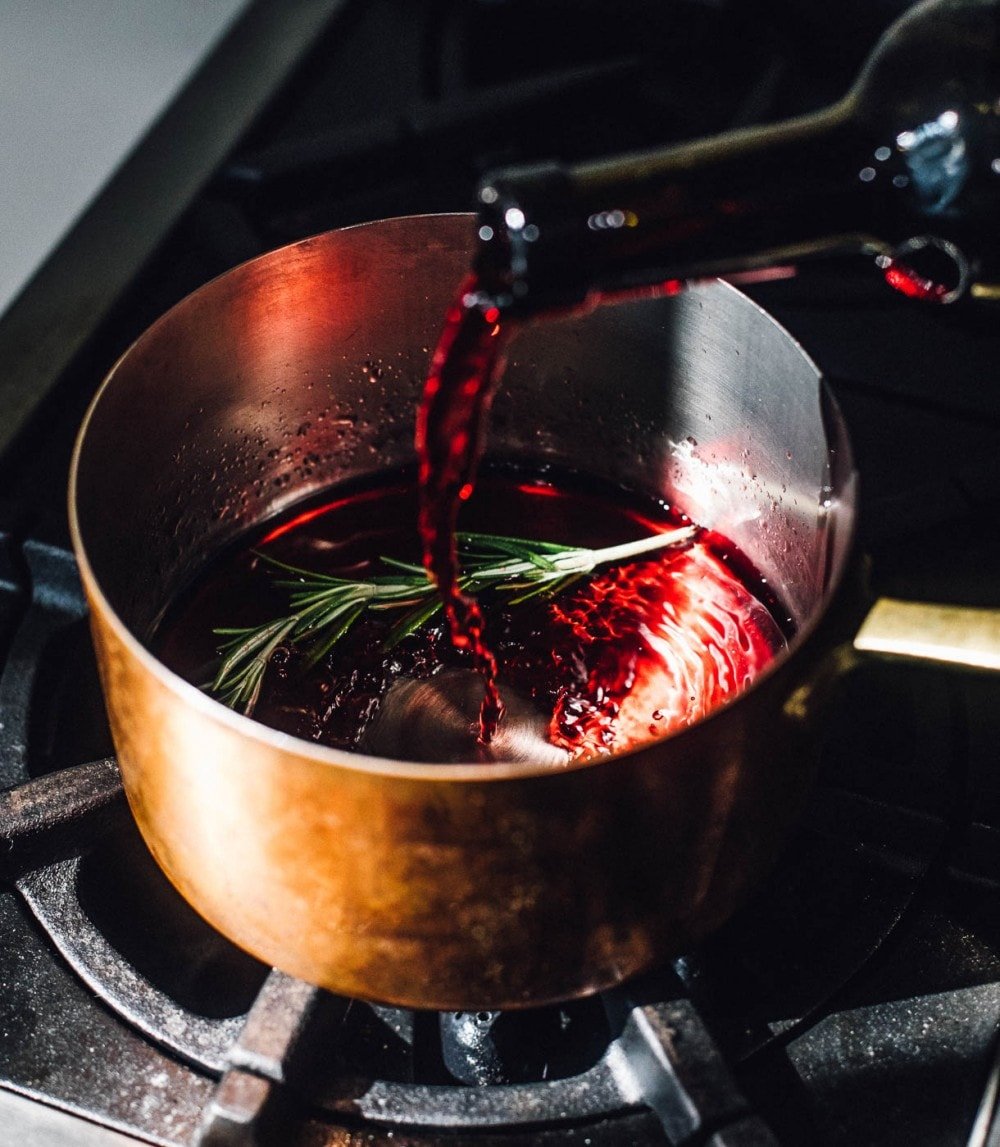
{"x": 528, "y": 256}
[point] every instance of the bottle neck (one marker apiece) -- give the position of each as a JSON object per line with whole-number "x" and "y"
{"x": 554, "y": 236}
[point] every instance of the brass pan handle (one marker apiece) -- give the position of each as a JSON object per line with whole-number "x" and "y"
{"x": 941, "y": 634}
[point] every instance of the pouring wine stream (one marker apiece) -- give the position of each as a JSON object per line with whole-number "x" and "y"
{"x": 451, "y": 426}
{"x": 433, "y": 719}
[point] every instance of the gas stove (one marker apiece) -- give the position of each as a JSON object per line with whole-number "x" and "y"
{"x": 854, "y": 1000}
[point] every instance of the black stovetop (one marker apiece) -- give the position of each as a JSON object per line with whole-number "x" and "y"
{"x": 856, "y": 999}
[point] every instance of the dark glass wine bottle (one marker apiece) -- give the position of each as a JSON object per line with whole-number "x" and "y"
{"x": 906, "y": 166}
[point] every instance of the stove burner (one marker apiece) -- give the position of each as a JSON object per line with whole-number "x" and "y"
{"x": 662, "y": 1059}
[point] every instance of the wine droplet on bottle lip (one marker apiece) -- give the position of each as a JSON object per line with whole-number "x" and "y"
{"x": 926, "y": 268}
{"x": 905, "y": 280}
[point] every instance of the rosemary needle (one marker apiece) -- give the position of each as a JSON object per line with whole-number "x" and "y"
{"x": 323, "y": 608}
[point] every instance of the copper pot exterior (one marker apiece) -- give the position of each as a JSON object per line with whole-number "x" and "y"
{"x": 429, "y": 886}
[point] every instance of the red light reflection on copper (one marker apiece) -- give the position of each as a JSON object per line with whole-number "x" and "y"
{"x": 318, "y": 511}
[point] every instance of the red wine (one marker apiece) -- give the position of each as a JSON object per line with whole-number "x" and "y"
{"x": 451, "y": 425}
{"x": 638, "y": 649}
{"x": 913, "y": 285}
{"x": 451, "y": 428}
{"x": 662, "y": 643}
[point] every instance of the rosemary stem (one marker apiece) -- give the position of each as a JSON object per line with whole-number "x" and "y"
{"x": 643, "y": 545}
{"x": 323, "y": 608}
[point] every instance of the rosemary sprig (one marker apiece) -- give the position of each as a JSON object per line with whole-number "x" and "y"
{"x": 323, "y": 608}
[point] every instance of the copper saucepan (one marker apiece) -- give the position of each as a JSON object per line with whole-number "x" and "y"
{"x": 455, "y": 886}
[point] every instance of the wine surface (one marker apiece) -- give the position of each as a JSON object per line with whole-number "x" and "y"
{"x": 636, "y": 649}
